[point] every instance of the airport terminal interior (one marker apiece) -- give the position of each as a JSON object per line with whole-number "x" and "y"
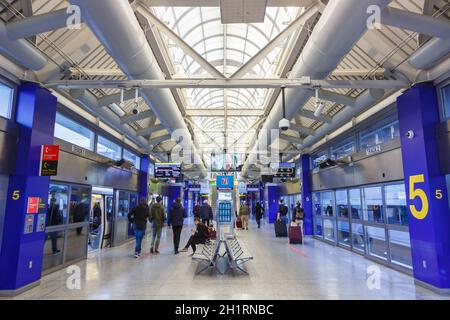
{"x": 308, "y": 142}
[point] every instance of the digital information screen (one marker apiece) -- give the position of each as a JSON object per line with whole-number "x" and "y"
{"x": 285, "y": 170}
{"x": 167, "y": 170}
{"x": 225, "y": 182}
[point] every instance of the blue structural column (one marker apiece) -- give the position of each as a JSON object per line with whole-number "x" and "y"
{"x": 307, "y": 195}
{"x": 22, "y": 248}
{"x": 273, "y": 198}
{"x": 143, "y": 176}
{"x": 426, "y": 190}
{"x": 186, "y": 196}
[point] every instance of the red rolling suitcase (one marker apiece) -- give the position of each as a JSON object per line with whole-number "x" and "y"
{"x": 238, "y": 223}
{"x": 295, "y": 234}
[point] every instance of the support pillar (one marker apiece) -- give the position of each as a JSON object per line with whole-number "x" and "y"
{"x": 22, "y": 248}
{"x": 307, "y": 195}
{"x": 273, "y": 198}
{"x": 143, "y": 177}
{"x": 426, "y": 190}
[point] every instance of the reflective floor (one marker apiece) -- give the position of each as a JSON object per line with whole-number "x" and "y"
{"x": 313, "y": 270}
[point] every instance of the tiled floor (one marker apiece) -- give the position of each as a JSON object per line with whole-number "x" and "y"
{"x": 313, "y": 270}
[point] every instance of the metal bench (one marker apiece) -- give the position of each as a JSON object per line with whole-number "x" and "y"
{"x": 237, "y": 254}
{"x": 207, "y": 254}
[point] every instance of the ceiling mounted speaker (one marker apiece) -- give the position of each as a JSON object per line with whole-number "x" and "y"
{"x": 243, "y": 11}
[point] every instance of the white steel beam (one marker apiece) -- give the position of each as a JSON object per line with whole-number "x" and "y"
{"x": 145, "y": 12}
{"x": 221, "y": 112}
{"x": 136, "y": 117}
{"x": 291, "y": 139}
{"x": 216, "y": 3}
{"x": 310, "y": 115}
{"x": 148, "y": 131}
{"x": 157, "y": 140}
{"x": 303, "y": 130}
{"x": 304, "y": 83}
{"x": 300, "y": 22}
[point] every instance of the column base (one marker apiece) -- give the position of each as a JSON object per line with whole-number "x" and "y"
{"x": 13, "y": 293}
{"x": 443, "y": 291}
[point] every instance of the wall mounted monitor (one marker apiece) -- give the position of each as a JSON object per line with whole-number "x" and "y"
{"x": 167, "y": 170}
{"x": 284, "y": 170}
{"x": 225, "y": 182}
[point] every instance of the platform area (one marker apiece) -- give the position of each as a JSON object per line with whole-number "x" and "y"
{"x": 310, "y": 271}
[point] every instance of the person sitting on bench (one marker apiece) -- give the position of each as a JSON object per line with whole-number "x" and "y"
{"x": 199, "y": 236}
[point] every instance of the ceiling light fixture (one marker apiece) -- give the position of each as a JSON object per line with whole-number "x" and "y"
{"x": 320, "y": 106}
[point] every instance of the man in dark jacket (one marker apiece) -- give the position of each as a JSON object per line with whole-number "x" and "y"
{"x": 197, "y": 209}
{"x": 259, "y": 212}
{"x": 176, "y": 219}
{"x": 157, "y": 218}
{"x": 206, "y": 213}
{"x": 138, "y": 216}
{"x": 282, "y": 212}
{"x": 199, "y": 236}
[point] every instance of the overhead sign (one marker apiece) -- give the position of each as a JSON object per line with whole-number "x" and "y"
{"x": 48, "y": 165}
{"x": 195, "y": 187}
{"x": 167, "y": 170}
{"x": 252, "y": 187}
{"x": 225, "y": 182}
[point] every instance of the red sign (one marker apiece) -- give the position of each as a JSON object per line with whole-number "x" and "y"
{"x": 50, "y": 153}
{"x": 49, "y": 161}
{"x": 33, "y": 205}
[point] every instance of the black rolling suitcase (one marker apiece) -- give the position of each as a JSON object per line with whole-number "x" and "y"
{"x": 281, "y": 229}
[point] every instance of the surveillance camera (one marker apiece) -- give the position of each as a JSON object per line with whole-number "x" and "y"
{"x": 284, "y": 124}
{"x": 410, "y": 134}
{"x": 135, "y": 111}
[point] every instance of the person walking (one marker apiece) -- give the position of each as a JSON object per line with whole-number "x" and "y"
{"x": 196, "y": 209}
{"x": 206, "y": 213}
{"x": 244, "y": 214}
{"x": 259, "y": 213}
{"x": 298, "y": 213}
{"x": 199, "y": 236}
{"x": 282, "y": 212}
{"x": 157, "y": 218}
{"x": 176, "y": 219}
{"x": 138, "y": 217}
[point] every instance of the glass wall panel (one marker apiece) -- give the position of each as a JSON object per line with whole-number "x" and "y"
{"x": 123, "y": 204}
{"x": 377, "y": 244}
{"x": 342, "y": 203}
{"x": 400, "y": 247}
{"x": 6, "y": 100}
{"x": 316, "y": 204}
{"x": 132, "y": 157}
{"x": 76, "y": 243}
{"x": 358, "y": 239}
{"x": 378, "y": 135}
{"x": 328, "y": 229}
{"x": 318, "y": 157}
{"x": 327, "y": 203}
{"x": 343, "y": 231}
{"x": 80, "y": 204}
{"x": 373, "y": 204}
{"x": 318, "y": 226}
{"x": 108, "y": 148}
{"x": 343, "y": 149}
{"x": 70, "y": 131}
{"x": 53, "y": 248}
{"x": 58, "y": 199}
{"x": 445, "y": 91}
{"x": 355, "y": 203}
{"x": 396, "y": 210}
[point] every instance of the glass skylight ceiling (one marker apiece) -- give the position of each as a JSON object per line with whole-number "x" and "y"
{"x": 227, "y": 48}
